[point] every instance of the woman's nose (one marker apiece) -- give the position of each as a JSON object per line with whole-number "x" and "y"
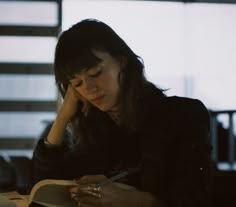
{"x": 90, "y": 86}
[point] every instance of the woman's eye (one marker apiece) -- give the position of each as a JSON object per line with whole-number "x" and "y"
{"x": 78, "y": 84}
{"x": 95, "y": 72}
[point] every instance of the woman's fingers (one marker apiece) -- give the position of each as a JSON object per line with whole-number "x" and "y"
{"x": 89, "y": 187}
{"x": 82, "y": 190}
{"x": 88, "y": 179}
{"x": 78, "y": 97}
{"x": 86, "y": 193}
{"x": 86, "y": 196}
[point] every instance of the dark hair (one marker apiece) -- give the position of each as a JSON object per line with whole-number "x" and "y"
{"x": 74, "y": 51}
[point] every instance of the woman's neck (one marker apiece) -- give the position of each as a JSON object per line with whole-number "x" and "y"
{"x": 114, "y": 115}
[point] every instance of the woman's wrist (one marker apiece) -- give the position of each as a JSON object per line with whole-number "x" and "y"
{"x": 62, "y": 118}
{"x": 56, "y": 134}
{"x": 49, "y": 144}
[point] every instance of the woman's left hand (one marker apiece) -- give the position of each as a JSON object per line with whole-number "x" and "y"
{"x": 110, "y": 195}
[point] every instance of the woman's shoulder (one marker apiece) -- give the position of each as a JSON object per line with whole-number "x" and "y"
{"x": 178, "y": 101}
{"x": 185, "y": 110}
{"x": 156, "y": 98}
{"x": 175, "y": 110}
{"x": 177, "y": 104}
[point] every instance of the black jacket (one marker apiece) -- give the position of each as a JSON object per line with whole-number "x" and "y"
{"x": 170, "y": 142}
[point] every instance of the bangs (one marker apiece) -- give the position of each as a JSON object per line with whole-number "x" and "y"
{"x": 79, "y": 63}
{"x": 74, "y": 62}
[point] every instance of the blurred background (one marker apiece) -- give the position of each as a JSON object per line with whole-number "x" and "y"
{"x": 188, "y": 47}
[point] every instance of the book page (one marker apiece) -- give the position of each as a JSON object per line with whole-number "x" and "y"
{"x": 53, "y": 193}
{"x": 5, "y": 202}
{"x": 13, "y": 199}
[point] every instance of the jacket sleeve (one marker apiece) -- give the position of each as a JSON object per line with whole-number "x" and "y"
{"x": 177, "y": 163}
{"x": 47, "y": 162}
{"x": 65, "y": 162}
{"x": 192, "y": 167}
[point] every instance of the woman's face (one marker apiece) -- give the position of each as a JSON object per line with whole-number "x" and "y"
{"x": 99, "y": 84}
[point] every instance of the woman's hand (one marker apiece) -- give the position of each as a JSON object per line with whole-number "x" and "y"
{"x": 70, "y": 104}
{"x": 67, "y": 111}
{"x": 87, "y": 194}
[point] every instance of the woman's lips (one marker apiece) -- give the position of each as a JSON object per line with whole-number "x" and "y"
{"x": 97, "y": 99}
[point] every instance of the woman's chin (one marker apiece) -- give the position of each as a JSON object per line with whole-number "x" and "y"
{"x": 105, "y": 107}
{"x": 102, "y": 108}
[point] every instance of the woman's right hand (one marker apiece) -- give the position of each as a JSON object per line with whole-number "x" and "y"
{"x": 66, "y": 112}
{"x": 70, "y": 104}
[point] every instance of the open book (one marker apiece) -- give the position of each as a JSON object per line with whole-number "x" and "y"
{"x": 8, "y": 200}
{"x": 50, "y": 193}
{"x": 53, "y": 193}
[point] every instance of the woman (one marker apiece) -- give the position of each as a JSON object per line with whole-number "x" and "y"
{"x": 118, "y": 120}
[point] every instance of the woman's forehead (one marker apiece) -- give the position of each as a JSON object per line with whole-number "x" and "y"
{"x": 103, "y": 59}
{"x": 82, "y": 72}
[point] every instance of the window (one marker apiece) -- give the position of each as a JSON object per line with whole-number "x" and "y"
{"x": 28, "y": 95}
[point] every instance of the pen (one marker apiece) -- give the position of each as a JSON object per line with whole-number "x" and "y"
{"x": 94, "y": 190}
{"x": 118, "y": 176}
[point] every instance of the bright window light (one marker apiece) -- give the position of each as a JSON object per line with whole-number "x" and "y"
{"x": 188, "y": 48}
{"x": 28, "y": 13}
